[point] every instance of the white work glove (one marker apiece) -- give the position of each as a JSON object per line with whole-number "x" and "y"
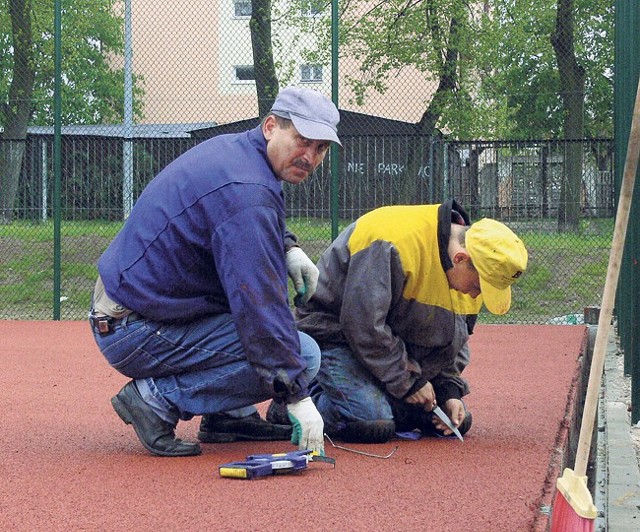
{"x": 308, "y": 427}
{"x": 303, "y": 273}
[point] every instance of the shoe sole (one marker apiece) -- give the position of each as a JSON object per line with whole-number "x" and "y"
{"x": 125, "y": 415}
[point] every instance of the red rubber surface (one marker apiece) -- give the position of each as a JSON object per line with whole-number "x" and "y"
{"x": 69, "y": 463}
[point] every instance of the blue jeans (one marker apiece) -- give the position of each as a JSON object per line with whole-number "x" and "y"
{"x": 191, "y": 368}
{"x": 346, "y": 391}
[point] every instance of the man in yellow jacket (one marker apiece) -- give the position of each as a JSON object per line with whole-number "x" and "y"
{"x": 398, "y": 296}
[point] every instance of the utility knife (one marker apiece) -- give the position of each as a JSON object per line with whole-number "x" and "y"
{"x": 445, "y": 419}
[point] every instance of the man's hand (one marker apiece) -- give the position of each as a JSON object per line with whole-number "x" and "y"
{"x": 303, "y": 273}
{"x": 455, "y": 410}
{"x": 425, "y": 396}
{"x": 308, "y": 426}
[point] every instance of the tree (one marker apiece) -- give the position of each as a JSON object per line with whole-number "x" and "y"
{"x": 15, "y": 111}
{"x": 549, "y": 70}
{"x": 263, "y": 65}
{"x": 431, "y": 37}
{"x": 520, "y": 73}
{"x": 505, "y": 69}
{"x": 489, "y": 69}
{"x": 92, "y": 87}
{"x": 572, "y": 79}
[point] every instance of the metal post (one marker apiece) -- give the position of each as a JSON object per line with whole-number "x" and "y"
{"x": 45, "y": 179}
{"x": 57, "y": 154}
{"x": 127, "y": 145}
{"x": 335, "y": 154}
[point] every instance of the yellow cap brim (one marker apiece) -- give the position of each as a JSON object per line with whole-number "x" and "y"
{"x": 497, "y": 300}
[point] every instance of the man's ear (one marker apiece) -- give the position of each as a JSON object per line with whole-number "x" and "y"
{"x": 461, "y": 256}
{"x": 268, "y": 126}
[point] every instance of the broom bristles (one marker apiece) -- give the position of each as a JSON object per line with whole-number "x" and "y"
{"x": 573, "y": 510}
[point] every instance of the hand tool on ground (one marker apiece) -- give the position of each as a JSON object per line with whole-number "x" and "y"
{"x": 573, "y": 508}
{"x": 260, "y": 465}
{"x": 445, "y": 419}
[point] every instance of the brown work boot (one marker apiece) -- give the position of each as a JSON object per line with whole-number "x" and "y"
{"x": 156, "y": 434}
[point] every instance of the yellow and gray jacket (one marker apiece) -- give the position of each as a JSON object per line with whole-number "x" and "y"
{"x": 384, "y": 292}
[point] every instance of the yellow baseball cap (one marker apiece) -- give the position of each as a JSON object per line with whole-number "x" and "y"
{"x": 500, "y": 258}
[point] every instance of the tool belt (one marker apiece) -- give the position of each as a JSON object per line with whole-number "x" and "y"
{"x": 104, "y": 325}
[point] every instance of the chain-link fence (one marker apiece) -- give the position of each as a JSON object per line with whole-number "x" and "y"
{"x": 142, "y": 82}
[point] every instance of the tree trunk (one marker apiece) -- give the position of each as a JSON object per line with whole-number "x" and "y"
{"x": 475, "y": 204}
{"x": 544, "y": 179}
{"x": 425, "y": 128}
{"x": 263, "y": 65}
{"x": 572, "y": 80}
{"x": 15, "y": 113}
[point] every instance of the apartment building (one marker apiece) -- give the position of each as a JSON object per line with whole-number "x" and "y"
{"x": 195, "y": 62}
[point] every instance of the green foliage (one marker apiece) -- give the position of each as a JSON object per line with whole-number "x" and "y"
{"x": 538, "y": 278}
{"x": 517, "y": 57}
{"x": 394, "y": 36}
{"x": 566, "y": 272}
{"x": 506, "y": 78}
{"x": 6, "y": 61}
{"x": 92, "y": 49}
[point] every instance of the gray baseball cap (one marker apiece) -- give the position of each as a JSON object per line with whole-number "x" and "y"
{"x": 314, "y": 115}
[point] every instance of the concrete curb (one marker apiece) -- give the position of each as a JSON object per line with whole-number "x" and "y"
{"x": 618, "y": 464}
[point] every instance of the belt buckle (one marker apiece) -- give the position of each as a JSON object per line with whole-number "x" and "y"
{"x": 102, "y": 324}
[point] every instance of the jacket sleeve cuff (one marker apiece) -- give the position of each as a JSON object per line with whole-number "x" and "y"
{"x": 446, "y": 391}
{"x": 416, "y": 386}
{"x": 290, "y": 241}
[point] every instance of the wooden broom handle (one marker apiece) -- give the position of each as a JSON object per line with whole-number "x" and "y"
{"x": 608, "y": 296}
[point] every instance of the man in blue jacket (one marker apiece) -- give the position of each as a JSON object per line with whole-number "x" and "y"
{"x": 191, "y": 300}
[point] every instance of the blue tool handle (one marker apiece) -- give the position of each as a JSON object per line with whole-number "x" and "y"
{"x": 297, "y": 459}
{"x": 260, "y": 465}
{"x": 291, "y": 455}
{"x": 283, "y": 462}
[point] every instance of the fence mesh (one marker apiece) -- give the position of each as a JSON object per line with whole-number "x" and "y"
{"x": 504, "y": 105}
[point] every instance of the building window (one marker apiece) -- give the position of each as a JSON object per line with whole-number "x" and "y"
{"x": 311, "y": 73}
{"x": 245, "y": 73}
{"x": 242, "y": 8}
{"x": 311, "y": 8}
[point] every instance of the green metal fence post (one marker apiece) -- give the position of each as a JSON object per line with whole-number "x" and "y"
{"x": 57, "y": 155}
{"x": 335, "y": 155}
{"x": 627, "y": 70}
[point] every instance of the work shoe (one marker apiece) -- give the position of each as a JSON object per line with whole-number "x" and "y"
{"x": 222, "y": 428}
{"x": 156, "y": 434}
{"x": 369, "y": 431}
{"x": 377, "y": 431}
